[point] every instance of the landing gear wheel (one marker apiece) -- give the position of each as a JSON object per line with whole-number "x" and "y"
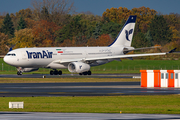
{"x": 84, "y": 73}
{"x": 80, "y": 73}
{"x": 51, "y": 72}
{"x": 89, "y": 73}
{"x": 60, "y": 72}
{"x": 19, "y": 73}
{"x": 55, "y": 72}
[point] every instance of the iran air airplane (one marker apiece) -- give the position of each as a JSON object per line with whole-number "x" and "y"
{"x": 75, "y": 59}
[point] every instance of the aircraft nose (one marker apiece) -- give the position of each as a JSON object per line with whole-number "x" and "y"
{"x": 7, "y": 60}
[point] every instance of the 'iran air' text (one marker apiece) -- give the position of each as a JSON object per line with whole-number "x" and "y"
{"x": 37, "y": 55}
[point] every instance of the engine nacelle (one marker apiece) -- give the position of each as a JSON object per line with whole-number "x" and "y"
{"x": 78, "y": 67}
{"x": 27, "y": 69}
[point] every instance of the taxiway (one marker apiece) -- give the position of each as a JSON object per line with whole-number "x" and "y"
{"x": 80, "y": 89}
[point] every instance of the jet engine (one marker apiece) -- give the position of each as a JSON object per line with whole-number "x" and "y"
{"x": 78, "y": 67}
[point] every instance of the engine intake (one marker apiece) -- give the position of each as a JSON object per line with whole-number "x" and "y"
{"x": 78, "y": 67}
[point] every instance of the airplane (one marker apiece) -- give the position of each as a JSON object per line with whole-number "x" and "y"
{"x": 76, "y": 59}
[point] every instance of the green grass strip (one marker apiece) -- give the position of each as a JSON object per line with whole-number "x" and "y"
{"x": 156, "y": 104}
{"x": 126, "y": 66}
{"x": 58, "y": 80}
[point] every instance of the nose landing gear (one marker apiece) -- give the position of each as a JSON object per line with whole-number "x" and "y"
{"x": 55, "y": 72}
{"x": 19, "y": 72}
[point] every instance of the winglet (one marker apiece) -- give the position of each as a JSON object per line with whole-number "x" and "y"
{"x": 173, "y": 50}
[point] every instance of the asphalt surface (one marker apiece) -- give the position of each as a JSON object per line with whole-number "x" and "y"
{"x": 83, "y": 116}
{"x": 80, "y": 89}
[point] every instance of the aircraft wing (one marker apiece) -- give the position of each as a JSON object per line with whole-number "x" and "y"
{"x": 64, "y": 61}
{"x": 125, "y": 56}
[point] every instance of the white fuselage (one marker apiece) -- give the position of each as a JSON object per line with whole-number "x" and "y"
{"x": 46, "y": 57}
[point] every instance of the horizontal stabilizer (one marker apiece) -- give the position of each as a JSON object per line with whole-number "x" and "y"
{"x": 173, "y": 50}
{"x": 141, "y": 48}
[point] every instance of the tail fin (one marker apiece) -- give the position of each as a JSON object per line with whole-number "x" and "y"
{"x": 124, "y": 38}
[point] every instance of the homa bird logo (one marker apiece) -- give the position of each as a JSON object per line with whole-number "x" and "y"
{"x": 128, "y": 33}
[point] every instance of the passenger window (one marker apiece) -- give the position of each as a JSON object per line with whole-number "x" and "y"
{"x": 162, "y": 75}
{"x": 172, "y": 76}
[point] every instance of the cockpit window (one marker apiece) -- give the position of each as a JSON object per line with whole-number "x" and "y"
{"x": 11, "y": 54}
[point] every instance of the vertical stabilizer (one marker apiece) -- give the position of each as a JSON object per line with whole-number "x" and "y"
{"x": 124, "y": 38}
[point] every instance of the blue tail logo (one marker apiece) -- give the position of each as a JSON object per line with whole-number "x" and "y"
{"x": 128, "y": 33}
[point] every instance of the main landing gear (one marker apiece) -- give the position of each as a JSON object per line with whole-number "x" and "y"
{"x": 85, "y": 73}
{"x": 55, "y": 72}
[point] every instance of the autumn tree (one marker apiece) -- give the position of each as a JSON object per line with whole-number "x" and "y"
{"x": 173, "y": 21}
{"x": 144, "y": 16}
{"x": 24, "y": 38}
{"x": 44, "y": 14}
{"x": 25, "y": 13}
{"x": 8, "y": 27}
{"x": 103, "y": 40}
{"x": 45, "y": 33}
{"x": 57, "y": 9}
{"x": 3, "y": 42}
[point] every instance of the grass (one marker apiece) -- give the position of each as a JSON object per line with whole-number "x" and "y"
{"x": 157, "y": 104}
{"x": 57, "y": 80}
{"x": 126, "y": 66}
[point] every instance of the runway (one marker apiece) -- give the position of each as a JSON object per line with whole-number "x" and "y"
{"x": 83, "y": 116}
{"x": 80, "y": 89}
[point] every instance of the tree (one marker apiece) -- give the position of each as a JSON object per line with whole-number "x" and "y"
{"x": 70, "y": 30}
{"x": 45, "y": 33}
{"x": 8, "y": 27}
{"x": 144, "y": 16}
{"x": 149, "y": 38}
{"x": 44, "y": 14}
{"x": 3, "y": 42}
{"x": 97, "y": 31}
{"x": 161, "y": 34}
{"x": 21, "y": 24}
{"x": 103, "y": 40}
{"x": 78, "y": 28}
{"x": 111, "y": 28}
{"x": 57, "y": 9}
{"x": 27, "y": 13}
{"x": 24, "y": 38}
{"x": 140, "y": 40}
